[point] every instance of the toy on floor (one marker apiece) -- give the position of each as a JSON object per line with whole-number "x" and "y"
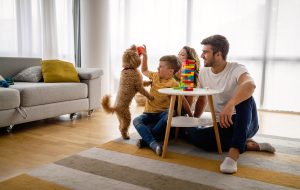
{"x": 131, "y": 82}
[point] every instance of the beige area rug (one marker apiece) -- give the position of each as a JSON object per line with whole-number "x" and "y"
{"x": 120, "y": 164}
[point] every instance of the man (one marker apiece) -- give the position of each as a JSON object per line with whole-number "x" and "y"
{"x": 235, "y": 107}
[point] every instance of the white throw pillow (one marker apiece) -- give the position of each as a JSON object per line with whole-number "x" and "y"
{"x": 31, "y": 74}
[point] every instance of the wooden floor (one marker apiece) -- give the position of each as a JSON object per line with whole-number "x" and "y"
{"x": 34, "y": 144}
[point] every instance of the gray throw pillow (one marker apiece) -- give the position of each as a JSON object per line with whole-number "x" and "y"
{"x": 31, "y": 74}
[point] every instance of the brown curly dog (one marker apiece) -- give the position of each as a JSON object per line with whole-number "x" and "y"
{"x": 131, "y": 82}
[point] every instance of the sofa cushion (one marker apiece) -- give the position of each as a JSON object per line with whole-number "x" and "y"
{"x": 44, "y": 93}
{"x": 10, "y": 98}
{"x": 59, "y": 71}
{"x": 31, "y": 74}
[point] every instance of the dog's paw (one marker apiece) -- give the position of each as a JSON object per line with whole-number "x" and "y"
{"x": 125, "y": 135}
{"x": 151, "y": 97}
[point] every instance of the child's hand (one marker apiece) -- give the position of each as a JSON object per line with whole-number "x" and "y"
{"x": 144, "y": 50}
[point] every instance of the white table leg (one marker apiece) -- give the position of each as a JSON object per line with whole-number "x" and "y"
{"x": 170, "y": 115}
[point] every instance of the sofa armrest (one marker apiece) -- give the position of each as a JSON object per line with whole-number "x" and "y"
{"x": 92, "y": 77}
{"x": 89, "y": 73}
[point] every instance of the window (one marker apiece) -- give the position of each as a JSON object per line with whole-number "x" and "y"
{"x": 262, "y": 35}
{"x": 37, "y": 28}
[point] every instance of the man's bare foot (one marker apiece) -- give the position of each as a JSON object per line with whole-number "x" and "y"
{"x": 254, "y": 146}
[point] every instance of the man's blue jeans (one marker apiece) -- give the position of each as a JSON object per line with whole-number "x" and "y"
{"x": 151, "y": 126}
{"x": 245, "y": 125}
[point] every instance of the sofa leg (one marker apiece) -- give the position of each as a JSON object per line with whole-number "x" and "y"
{"x": 9, "y": 128}
{"x": 90, "y": 113}
{"x": 72, "y": 115}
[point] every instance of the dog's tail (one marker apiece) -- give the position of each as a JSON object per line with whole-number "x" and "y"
{"x": 106, "y": 104}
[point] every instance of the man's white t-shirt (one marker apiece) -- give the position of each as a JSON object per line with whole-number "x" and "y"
{"x": 225, "y": 81}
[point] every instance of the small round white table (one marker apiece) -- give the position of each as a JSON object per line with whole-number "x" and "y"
{"x": 188, "y": 121}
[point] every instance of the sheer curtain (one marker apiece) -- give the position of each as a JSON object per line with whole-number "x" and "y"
{"x": 242, "y": 22}
{"x": 165, "y": 26}
{"x": 160, "y": 25}
{"x": 37, "y": 28}
{"x": 262, "y": 35}
{"x": 282, "y": 71}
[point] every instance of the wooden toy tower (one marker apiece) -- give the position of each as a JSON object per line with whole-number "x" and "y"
{"x": 187, "y": 75}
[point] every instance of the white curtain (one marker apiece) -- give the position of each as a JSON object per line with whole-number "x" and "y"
{"x": 262, "y": 35}
{"x": 37, "y": 28}
{"x": 167, "y": 25}
{"x": 282, "y": 77}
{"x": 160, "y": 25}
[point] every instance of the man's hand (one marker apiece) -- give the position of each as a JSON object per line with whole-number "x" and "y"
{"x": 225, "y": 115}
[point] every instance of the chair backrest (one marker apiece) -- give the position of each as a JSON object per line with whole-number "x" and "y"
{"x": 10, "y": 66}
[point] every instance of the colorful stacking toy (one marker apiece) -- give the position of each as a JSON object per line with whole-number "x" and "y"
{"x": 187, "y": 75}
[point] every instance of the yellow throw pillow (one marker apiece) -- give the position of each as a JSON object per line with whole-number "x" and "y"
{"x": 59, "y": 71}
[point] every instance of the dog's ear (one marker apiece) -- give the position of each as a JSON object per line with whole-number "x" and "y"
{"x": 133, "y": 48}
{"x": 131, "y": 59}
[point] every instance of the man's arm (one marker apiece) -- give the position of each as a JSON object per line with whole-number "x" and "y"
{"x": 244, "y": 91}
{"x": 145, "y": 70}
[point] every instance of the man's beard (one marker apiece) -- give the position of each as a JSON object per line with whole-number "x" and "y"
{"x": 209, "y": 64}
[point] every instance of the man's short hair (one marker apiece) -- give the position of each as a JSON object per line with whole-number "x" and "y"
{"x": 172, "y": 61}
{"x": 218, "y": 43}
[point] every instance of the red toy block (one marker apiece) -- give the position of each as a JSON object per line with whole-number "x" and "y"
{"x": 140, "y": 49}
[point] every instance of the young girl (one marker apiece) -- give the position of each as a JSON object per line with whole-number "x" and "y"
{"x": 189, "y": 53}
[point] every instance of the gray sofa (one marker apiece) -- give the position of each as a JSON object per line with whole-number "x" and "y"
{"x": 27, "y": 101}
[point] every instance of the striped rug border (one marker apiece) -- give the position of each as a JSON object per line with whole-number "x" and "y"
{"x": 130, "y": 175}
{"x": 273, "y": 177}
{"x": 124, "y": 156}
